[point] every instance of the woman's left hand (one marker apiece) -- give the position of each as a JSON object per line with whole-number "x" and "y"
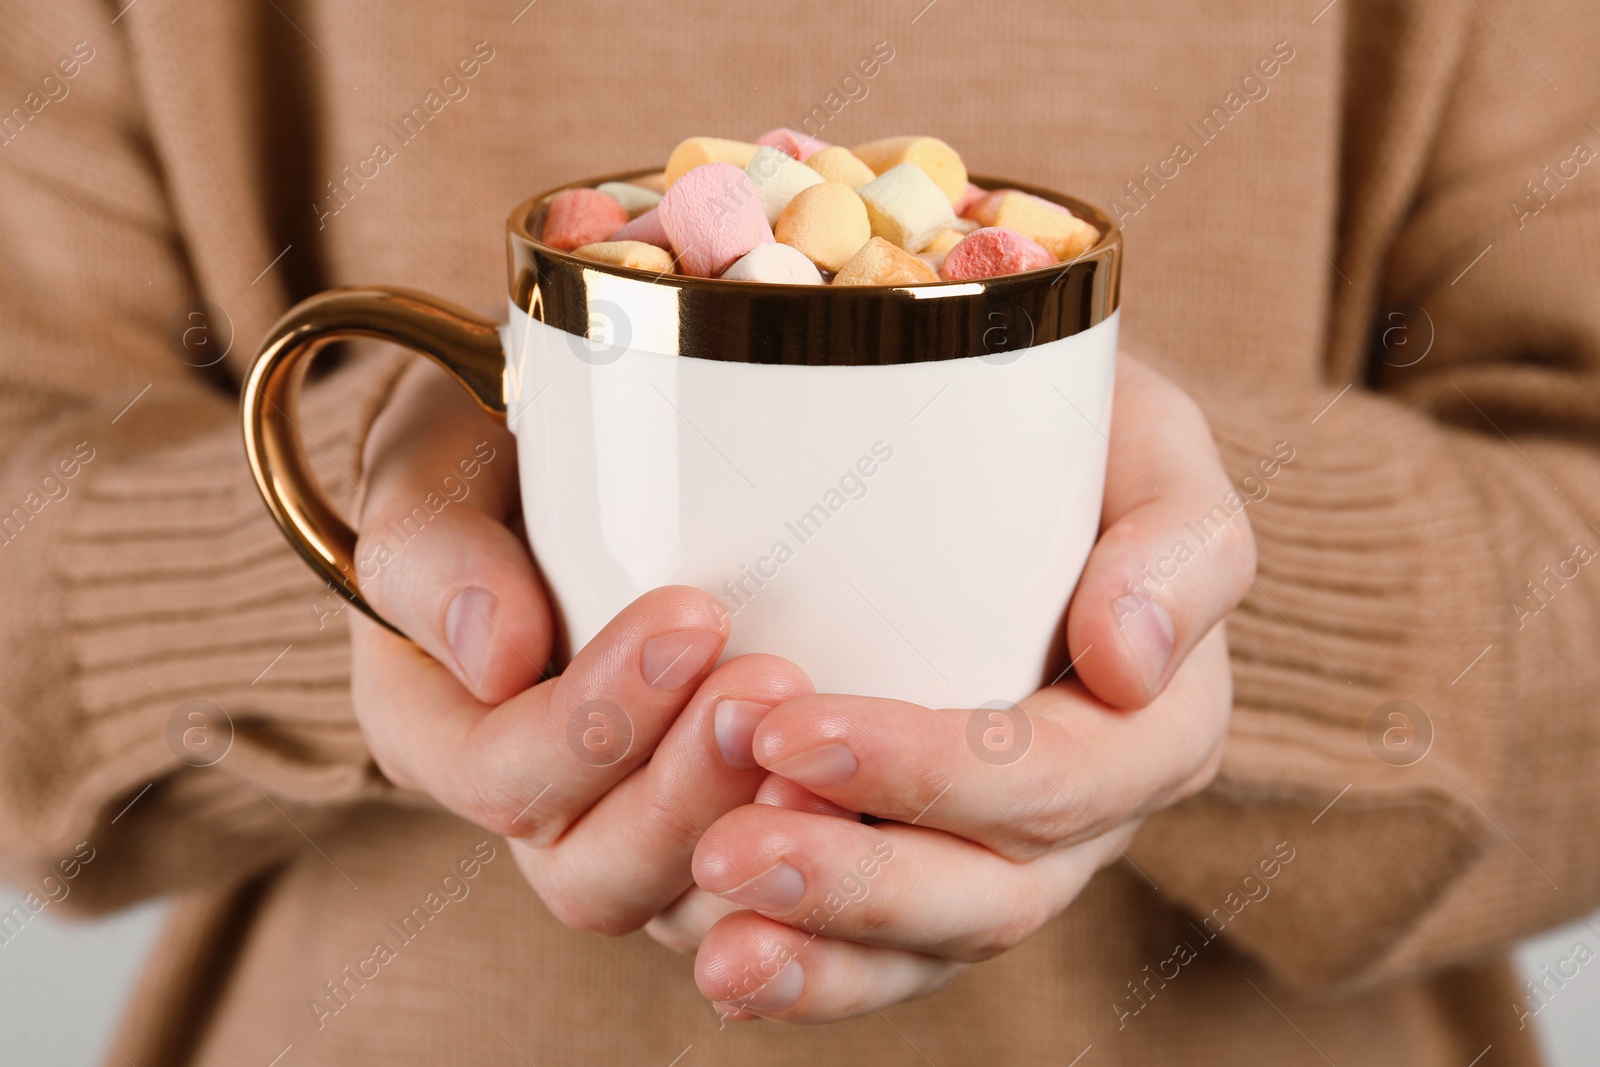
{"x": 993, "y": 821}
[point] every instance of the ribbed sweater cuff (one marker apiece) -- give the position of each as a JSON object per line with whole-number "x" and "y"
{"x": 1376, "y": 582}
{"x": 171, "y": 583}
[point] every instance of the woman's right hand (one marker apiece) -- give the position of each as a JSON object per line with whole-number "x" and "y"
{"x": 602, "y": 778}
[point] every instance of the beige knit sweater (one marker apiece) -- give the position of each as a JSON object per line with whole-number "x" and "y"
{"x": 1382, "y": 257}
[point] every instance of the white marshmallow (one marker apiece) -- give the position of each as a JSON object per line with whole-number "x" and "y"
{"x": 905, "y": 207}
{"x": 635, "y": 199}
{"x": 778, "y": 176}
{"x": 775, "y": 263}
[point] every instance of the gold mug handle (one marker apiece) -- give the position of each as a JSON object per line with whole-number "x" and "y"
{"x": 465, "y": 345}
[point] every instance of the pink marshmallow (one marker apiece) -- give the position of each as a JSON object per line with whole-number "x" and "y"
{"x": 713, "y": 216}
{"x": 579, "y": 217}
{"x": 985, "y": 208}
{"x": 982, "y": 209}
{"x": 992, "y": 251}
{"x": 646, "y": 228}
{"x": 973, "y": 194}
{"x": 801, "y": 146}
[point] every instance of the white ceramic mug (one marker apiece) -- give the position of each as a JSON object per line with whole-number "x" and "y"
{"x": 895, "y": 488}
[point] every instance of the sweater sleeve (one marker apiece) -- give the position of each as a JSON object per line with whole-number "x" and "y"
{"x": 1433, "y": 541}
{"x": 142, "y": 582}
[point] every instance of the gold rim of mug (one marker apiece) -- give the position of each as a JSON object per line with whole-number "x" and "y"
{"x": 758, "y": 322}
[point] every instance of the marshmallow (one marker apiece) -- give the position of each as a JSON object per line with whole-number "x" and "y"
{"x": 879, "y": 262}
{"x": 940, "y": 247}
{"x": 943, "y": 242}
{"x": 794, "y": 210}
{"x": 698, "y": 151}
{"x": 774, "y": 263}
{"x": 635, "y": 199}
{"x": 905, "y": 207}
{"x": 941, "y": 162}
{"x": 777, "y": 177}
{"x": 973, "y": 194}
{"x": 992, "y": 251}
{"x": 646, "y": 228}
{"x": 1051, "y": 225}
{"x": 635, "y": 254}
{"x": 827, "y": 222}
{"x": 838, "y": 165}
{"x": 712, "y": 215}
{"x": 982, "y": 209}
{"x": 580, "y": 217}
{"x": 796, "y": 145}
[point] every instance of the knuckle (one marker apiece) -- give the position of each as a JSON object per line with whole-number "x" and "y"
{"x": 501, "y": 812}
{"x": 498, "y": 793}
{"x": 924, "y": 787}
{"x": 378, "y": 581}
{"x": 1025, "y": 913}
{"x": 492, "y": 814}
{"x": 663, "y": 819}
{"x": 1128, "y": 538}
{"x": 572, "y": 892}
{"x": 583, "y": 910}
{"x": 1048, "y": 820}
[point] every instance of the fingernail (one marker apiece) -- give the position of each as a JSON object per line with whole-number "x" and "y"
{"x": 781, "y": 991}
{"x": 468, "y": 626}
{"x": 735, "y": 722}
{"x": 821, "y": 767}
{"x": 671, "y": 660}
{"x": 1148, "y": 629}
{"x": 777, "y": 889}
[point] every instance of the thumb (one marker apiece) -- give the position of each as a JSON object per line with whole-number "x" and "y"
{"x": 434, "y": 554}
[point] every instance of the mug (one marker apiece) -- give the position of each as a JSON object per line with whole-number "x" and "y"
{"x": 895, "y": 488}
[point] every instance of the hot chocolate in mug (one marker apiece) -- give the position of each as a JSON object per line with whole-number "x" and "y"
{"x": 895, "y": 488}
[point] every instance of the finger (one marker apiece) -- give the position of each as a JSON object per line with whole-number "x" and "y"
{"x": 434, "y": 554}
{"x": 681, "y": 925}
{"x": 891, "y": 885}
{"x": 752, "y": 967}
{"x": 684, "y": 923}
{"x": 628, "y": 856}
{"x": 530, "y": 766}
{"x": 782, "y": 793}
{"x": 1175, "y": 554}
{"x": 1019, "y": 781}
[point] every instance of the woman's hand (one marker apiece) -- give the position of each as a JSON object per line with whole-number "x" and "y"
{"x": 982, "y": 848}
{"x": 602, "y": 778}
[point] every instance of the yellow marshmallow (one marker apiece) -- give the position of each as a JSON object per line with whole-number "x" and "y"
{"x": 656, "y": 183}
{"x": 879, "y": 262}
{"x": 943, "y": 242}
{"x": 940, "y": 247}
{"x": 905, "y": 207}
{"x": 698, "y": 151}
{"x": 837, "y": 165}
{"x": 938, "y": 159}
{"x": 827, "y": 222}
{"x": 635, "y": 254}
{"x": 1059, "y": 230}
